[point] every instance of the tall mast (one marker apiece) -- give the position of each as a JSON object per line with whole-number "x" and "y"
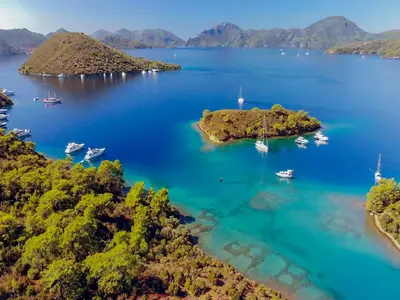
{"x": 264, "y": 129}
{"x": 378, "y": 169}
{"x": 240, "y": 93}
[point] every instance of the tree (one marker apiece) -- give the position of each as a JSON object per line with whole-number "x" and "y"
{"x": 54, "y": 200}
{"x": 141, "y": 221}
{"x": 382, "y": 195}
{"x": 64, "y": 280}
{"x": 96, "y": 205}
{"x": 8, "y": 229}
{"x": 109, "y": 177}
{"x": 160, "y": 201}
{"x": 136, "y": 195}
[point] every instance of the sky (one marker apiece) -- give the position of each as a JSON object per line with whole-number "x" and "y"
{"x": 187, "y": 18}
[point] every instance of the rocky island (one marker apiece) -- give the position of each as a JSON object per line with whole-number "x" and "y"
{"x": 229, "y": 124}
{"x": 385, "y": 49}
{"x": 383, "y": 202}
{"x": 5, "y": 100}
{"x": 77, "y": 53}
{"x": 69, "y": 232}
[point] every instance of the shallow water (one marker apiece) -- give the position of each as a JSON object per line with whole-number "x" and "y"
{"x": 309, "y": 236}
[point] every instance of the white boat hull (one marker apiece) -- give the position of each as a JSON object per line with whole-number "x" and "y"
{"x": 3, "y": 117}
{"x": 3, "y": 111}
{"x": 74, "y": 149}
{"x": 260, "y": 146}
{"x": 97, "y": 154}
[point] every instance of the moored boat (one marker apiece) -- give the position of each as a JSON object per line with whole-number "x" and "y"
{"x": 21, "y": 132}
{"x": 52, "y": 100}
{"x": 3, "y": 124}
{"x": 95, "y": 152}
{"x": 61, "y": 75}
{"x": 378, "y": 174}
{"x": 3, "y": 111}
{"x": 3, "y": 116}
{"x": 72, "y": 147}
{"x": 144, "y": 72}
{"x": 319, "y": 136}
{"x": 262, "y": 145}
{"x": 301, "y": 141}
{"x": 285, "y": 174}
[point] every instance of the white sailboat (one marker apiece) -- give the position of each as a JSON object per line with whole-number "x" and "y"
{"x": 240, "y": 98}
{"x": 378, "y": 175}
{"x": 261, "y": 145}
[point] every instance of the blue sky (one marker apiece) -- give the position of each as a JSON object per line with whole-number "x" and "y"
{"x": 187, "y": 18}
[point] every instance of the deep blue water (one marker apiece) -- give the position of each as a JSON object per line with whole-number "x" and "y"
{"x": 310, "y": 236}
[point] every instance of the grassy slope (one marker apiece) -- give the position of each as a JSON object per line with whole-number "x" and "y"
{"x": 77, "y": 53}
{"x": 386, "y": 49}
{"x": 225, "y": 125}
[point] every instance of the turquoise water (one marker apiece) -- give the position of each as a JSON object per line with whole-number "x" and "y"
{"x": 310, "y": 236}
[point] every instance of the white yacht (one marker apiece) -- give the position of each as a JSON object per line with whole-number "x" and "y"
{"x": 21, "y": 132}
{"x": 123, "y": 74}
{"x": 319, "y": 142}
{"x": 149, "y": 71}
{"x": 95, "y": 152}
{"x": 8, "y": 93}
{"x": 282, "y": 53}
{"x": 52, "y": 99}
{"x": 285, "y": 174}
{"x": 240, "y": 99}
{"x": 3, "y": 110}
{"x": 61, "y": 75}
{"x": 307, "y": 53}
{"x": 3, "y": 116}
{"x": 301, "y": 141}
{"x": 72, "y": 147}
{"x": 261, "y": 145}
{"x": 155, "y": 70}
{"x": 104, "y": 75}
{"x": 144, "y": 72}
{"x": 378, "y": 175}
{"x": 3, "y": 124}
{"x": 82, "y": 76}
{"x": 35, "y": 98}
{"x": 319, "y": 136}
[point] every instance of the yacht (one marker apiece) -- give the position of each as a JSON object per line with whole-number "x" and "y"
{"x": 3, "y": 124}
{"x": 307, "y": 53}
{"x": 261, "y": 145}
{"x": 61, "y": 75}
{"x": 21, "y": 132}
{"x": 155, "y": 70}
{"x": 319, "y": 142}
{"x": 104, "y": 75}
{"x": 285, "y": 174}
{"x": 282, "y": 53}
{"x": 35, "y": 98}
{"x": 144, "y": 72}
{"x": 72, "y": 147}
{"x": 301, "y": 141}
{"x": 3, "y": 116}
{"x": 378, "y": 175}
{"x": 3, "y": 110}
{"x": 240, "y": 99}
{"x": 52, "y": 99}
{"x": 319, "y": 136}
{"x": 123, "y": 74}
{"x": 8, "y": 93}
{"x": 82, "y": 76}
{"x": 95, "y": 152}
{"x": 149, "y": 71}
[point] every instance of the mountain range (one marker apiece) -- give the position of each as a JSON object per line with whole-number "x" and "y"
{"x": 326, "y": 33}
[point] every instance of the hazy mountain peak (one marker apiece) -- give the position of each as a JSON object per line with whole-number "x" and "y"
{"x": 61, "y": 30}
{"x": 101, "y": 33}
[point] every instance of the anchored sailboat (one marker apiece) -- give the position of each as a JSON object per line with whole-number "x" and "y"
{"x": 240, "y": 99}
{"x": 262, "y": 145}
{"x": 378, "y": 175}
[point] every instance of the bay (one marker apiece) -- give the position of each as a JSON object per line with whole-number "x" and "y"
{"x": 308, "y": 237}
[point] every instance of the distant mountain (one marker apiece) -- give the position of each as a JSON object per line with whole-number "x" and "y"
{"x": 21, "y": 38}
{"x": 390, "y": 35}
{"x": 386, "y": 49}
{"x": 99, "y": 34}
{"x": 61, "y": 30}
{"x": 6, "y": 49}
{"x": 120, "y": 42}
{"x": 77, "y": 53}
{"x": 323, "y": 34}
{"x": 152, "y": 37}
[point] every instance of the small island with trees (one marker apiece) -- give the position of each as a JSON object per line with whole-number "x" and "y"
{"x": 76, "y": 53}
{"x": 383, "y": 202}
{"x": 230, "y": 124}
{"x": 386, "y": 49}
{"x": 69, "y": 232}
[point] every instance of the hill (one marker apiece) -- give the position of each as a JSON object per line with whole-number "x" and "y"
{"x": 101, "y": 33}
{"x": 120, "y": 42}
{"x": 228, "y": 124}
{"x": 69, "y": 232}
{"x": 152, "y": 37}
{"x": 6, "y": 50}
{"x": 386, "y": 49}
{"x": 5, "y": 100}
{"x": 77, "y": 53}
{"x": 323, "y": 34}
{"x": 21, "y": 38}
{"x": 61, "y": 30}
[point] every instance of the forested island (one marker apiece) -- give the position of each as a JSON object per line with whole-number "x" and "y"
{"x": 383, "y": 201}
{"x": 77, "y": 53}
{"x": 386, "y": 49}
{"x": 4, "y": 100}
{"x": 69, "y": 232}
{"x": 229, "y": 124}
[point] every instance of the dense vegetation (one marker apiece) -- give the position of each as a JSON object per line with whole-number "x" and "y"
{"x": 384, "y": 200}
{"x": 67, "y": 232}
{"x": 77, "y": 53}
{"x": 229, "y": 124}
{"x": 5, "y": 100}
{"x": 120, "y": 42}
{"x": 386, "y": 49}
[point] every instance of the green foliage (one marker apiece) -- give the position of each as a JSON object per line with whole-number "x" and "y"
{"x": 109, "y": 177}
{"x": 136, "y": 195}
{"x": 206, "y": 112}
{"x": 382, "y": 195}
{"x": 5, "y": 100}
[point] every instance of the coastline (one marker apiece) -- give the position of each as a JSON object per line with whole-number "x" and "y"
{"x": 392, "y": 239}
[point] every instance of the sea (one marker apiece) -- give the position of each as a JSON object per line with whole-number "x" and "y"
{"x": 308, "y": 237}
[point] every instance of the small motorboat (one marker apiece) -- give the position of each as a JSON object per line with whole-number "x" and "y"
{"x": 154, "y": 70}
{"x": 95, "y": 152}
{"x": 285, "y": 174}
{"x": 104, "y": 75}
{"x": 3, "y": 111}
{"x": 51, "y": 100}
{"x": 302, "y": 146}
{"x": 82, "y": 76}
{"x": 319, "y": 136}
{"x": 21, "y": 132}
{"x": 8, "y": 93}
{"x": 35, "y": 98}
{"x": 123, "y": 74}
{"x": 261, "y": 146}
{"x": 301, "y": 141}
{"x": 61, "y": 75}
{"x": 3, "y": 116}
{"x": 3, "y": 124}
{"x": 149, "y": 71}
{"x": 72, "y": 147}
{"x": 144, "y": 72}
{"x": 378, "y": 174}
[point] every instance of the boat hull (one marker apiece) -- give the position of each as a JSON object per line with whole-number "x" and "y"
{"x": 3, "y": 117}
{"x": 97, "y": 154}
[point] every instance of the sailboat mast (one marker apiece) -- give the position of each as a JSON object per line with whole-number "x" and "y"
{"x": 264, "y": 130}
{"x": 378, "y": 169}
{"x": 240, "y": 93}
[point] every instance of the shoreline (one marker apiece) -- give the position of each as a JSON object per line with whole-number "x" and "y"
{"x": 395, "y": 243}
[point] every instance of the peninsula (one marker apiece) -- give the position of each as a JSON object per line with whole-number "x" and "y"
{"x": 77, "y": 53}
{"x": 5, "y": 100}
{"x": 69, "y": 232}
{"x": 383, "y": 201}
{"x": 229, "y": 124}
{"x": 385, "y": 49}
